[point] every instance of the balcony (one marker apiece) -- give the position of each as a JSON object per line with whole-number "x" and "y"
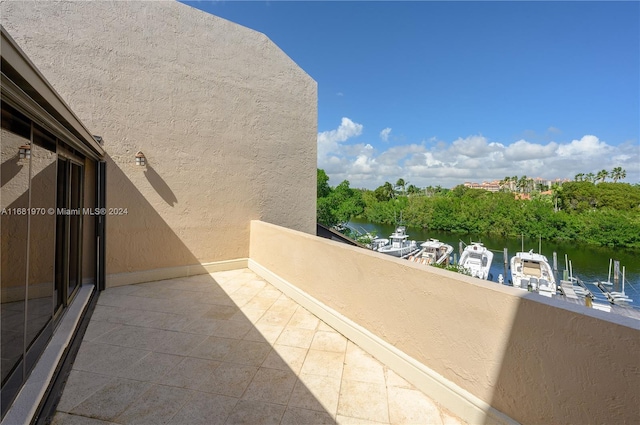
{"x": 314, "y": 331}
{"x": 228, "y": 347}
{"x": 308, "y": 329}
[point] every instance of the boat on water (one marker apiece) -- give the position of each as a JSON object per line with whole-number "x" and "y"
{"x": 531, "y": 271}
{"x": 432, "y": 252}
{"x": 377, "y": 243}
{"x": 398, "y": 244}
{"x": 360, "y": 235}
{"x": 476, "y": 259}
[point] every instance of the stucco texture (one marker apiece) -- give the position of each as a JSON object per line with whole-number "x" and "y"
{"x": 226, "y": 120}
{"x": 538, "y": 360}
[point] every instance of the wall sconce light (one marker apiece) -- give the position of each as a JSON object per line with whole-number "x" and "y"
{"x": 25, "y": 151}
{"x": 141, "y": 159}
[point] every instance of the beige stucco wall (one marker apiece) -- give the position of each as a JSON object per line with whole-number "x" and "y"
{"x": 525, "y": 355}
{"x": 226, "y": 120}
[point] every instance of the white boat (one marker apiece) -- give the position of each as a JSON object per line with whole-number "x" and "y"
{"x": 398, "y": 244}
{"x": 531, "y": 271}
{"x": 433, "y": 252}
{"x": 377, "y": 243}
{"x": 476, "y": 259}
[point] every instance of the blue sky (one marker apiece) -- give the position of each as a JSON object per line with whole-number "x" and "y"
{"x": 440, "y": 93}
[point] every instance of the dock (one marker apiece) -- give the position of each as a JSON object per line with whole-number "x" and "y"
{"x": 567, "y": 290}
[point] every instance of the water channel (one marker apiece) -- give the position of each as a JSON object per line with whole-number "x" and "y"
{"x": 590, "y": 263}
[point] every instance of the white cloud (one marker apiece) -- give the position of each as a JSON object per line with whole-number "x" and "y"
{"x": 523, "y": 150}
{"x": 474, "y": 147}
{"x": 396, "y": 153}
{"x": 329, "y": 141}
{"x": 364, "y": 164}
{"x": 474, "y": 158}
{"x": 346, "y": 130}
{"x": 384, "y": 134}
{"x": 587, "y": 146}
{"x": 353, "y": 150}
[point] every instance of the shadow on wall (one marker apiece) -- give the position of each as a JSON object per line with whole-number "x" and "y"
{"x": 10, "y": 169}
{"x": 141, "y": 239}
{"x": 160, "y": 186}
{"x": 549, "y": 358}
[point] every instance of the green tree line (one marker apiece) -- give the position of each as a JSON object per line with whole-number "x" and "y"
{"x": 606, "y": 213}
{"x": 339, "y": 204}
{"x": 616, "y": 174}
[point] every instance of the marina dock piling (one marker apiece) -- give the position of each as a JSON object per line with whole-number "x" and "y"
{"x": 506, "y": 262}
{"x": 616, "y": 277}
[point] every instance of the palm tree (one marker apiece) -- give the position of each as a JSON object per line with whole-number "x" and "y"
{"x": 556, "y": 189}
{"x": 504, "y": 182}
{"x": 388, "y": 190}
{"x": 523, "y": 183}
{"x": 579, "y": 177}
{"x": 618, "y": 174}
{"x": 602, "y": 175}
{"x": 590, "y": 177}
{"x": 401, "y": 183}
{"x": 430, "y": 191}
{"x": 412, "y": 189}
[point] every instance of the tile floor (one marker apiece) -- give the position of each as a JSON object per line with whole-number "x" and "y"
{"x": 227, "y": 348}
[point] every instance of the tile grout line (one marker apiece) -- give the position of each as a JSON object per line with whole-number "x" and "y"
{"x": 300, "y": 371}
{"x": 344, "y": 359}
{"x": 386, "y": 390}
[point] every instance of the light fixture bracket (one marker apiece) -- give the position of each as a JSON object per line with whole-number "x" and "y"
{"x": 24, "y": 151}
{"x": 141, "y": 160}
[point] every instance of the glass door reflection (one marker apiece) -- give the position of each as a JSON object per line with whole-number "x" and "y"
{"x": 41, "y": 243}
{"x": 14, "y": 201}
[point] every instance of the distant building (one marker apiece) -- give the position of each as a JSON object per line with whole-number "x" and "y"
{"x": 537, "y": 183}
{"x": 493, "y": 186}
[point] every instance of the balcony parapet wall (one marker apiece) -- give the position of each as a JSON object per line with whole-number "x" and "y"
{"x": 503, "y": 354}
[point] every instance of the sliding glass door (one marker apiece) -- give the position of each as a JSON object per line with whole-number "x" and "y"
{"x": 41, "y": 243}
{"x": 68, "y": 231}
